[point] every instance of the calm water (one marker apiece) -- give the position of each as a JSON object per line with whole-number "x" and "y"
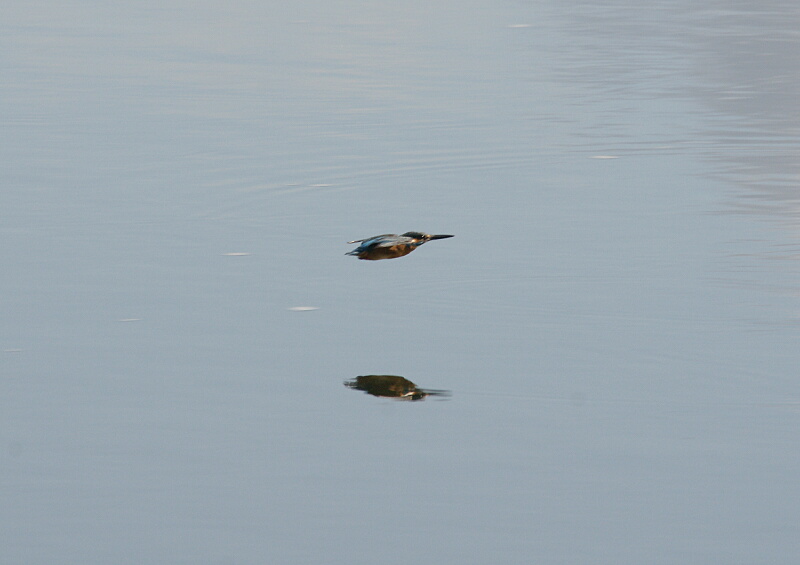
{"x": 616, "y": 321}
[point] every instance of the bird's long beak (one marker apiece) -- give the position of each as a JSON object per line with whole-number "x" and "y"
{"x": 440, "y": 236}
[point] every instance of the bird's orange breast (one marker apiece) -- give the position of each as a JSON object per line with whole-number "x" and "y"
{"x": 386, "y": 252}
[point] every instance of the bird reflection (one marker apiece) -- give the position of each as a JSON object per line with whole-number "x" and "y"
{"x": 390, "y": 246}
{"x": 392, "y": 386}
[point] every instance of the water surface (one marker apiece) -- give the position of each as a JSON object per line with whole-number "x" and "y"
{"x": 616, "y": 318}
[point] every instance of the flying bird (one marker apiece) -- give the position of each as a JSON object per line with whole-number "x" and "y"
{"x": 389, "y": 245}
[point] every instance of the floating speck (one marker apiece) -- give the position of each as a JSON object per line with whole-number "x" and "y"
{"x": 129, "y": 320}
{"x": 321, "y": 185}
{"x": 605, "y": 157}
{"x": 236, "y": 254}
{"x": 303, "y": 308}
{"x": 12, "y": 351}
{"x": 516, "y": 26}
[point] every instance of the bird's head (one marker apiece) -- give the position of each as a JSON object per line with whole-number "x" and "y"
{"x": 423, "y": 237}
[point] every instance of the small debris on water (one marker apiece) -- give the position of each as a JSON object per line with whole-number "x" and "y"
{"x": 303, "y": 308}
{"x": 516, "y": 26}
{"x": 236, "y": 254}
{"x": 605, "y": 157}
{"x": 129, "y": 320}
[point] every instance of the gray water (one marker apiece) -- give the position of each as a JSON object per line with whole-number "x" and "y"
{"x": 615, "y": 322}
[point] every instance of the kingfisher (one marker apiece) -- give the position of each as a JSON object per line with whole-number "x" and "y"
{"x": 389, "y": 245}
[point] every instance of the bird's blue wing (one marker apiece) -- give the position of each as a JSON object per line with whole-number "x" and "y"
{"x": 388, "y": 241}
{"x": 371, "y": 240}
